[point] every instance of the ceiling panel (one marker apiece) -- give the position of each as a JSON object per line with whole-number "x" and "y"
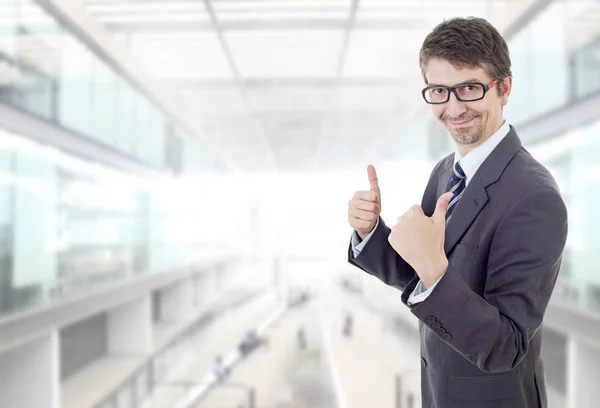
{"x": 290, "y": 98}
{"x": 181, "y": 55}
{"x": 211, "y": 101}
{"x": 373, "y": 97}
{"x": 281, "y": 5}
{"x": 387, "y": 54}
{"x": 243, "y": 128}
{"x": 358, "y": 128}
{"x": 286, "y": 54}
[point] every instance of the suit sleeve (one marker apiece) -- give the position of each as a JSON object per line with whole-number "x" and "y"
{"x": 494, "y": 331}
{"x": 379, "y": 259}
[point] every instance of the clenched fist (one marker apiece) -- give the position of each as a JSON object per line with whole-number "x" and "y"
{"x": 419, "y": 240}
{"x": 364, "y": 208}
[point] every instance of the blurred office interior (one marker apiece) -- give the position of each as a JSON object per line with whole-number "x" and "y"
{"x": 174, "y": 178}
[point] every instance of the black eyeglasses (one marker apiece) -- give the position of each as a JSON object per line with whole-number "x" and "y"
{"x": 467, "y": 92}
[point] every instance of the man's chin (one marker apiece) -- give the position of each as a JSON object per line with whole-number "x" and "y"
{"x": 465, "y": 139}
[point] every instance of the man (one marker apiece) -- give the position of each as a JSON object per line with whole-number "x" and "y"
{"x": 478, "y": 260}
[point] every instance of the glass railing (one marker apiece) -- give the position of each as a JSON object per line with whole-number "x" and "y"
{"x": 586, "y": 69}
{"x": 49, "y": 71}
{"x": 68, "y": 225}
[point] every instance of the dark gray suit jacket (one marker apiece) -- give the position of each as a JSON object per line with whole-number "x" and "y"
{"x": 479, "y": 328}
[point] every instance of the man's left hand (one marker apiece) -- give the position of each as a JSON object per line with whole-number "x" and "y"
{"x": 419, "y": 240}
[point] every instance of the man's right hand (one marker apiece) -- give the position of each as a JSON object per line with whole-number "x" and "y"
{"x": 364, "y": 208}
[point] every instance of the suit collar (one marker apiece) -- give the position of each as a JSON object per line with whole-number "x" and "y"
{"x": 475, "y": 196}
{"x": 471, "y": 162}
{"x": 491, "y": 169}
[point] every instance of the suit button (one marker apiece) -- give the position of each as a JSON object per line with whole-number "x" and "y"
{"x": 423, "y": 362}
{"x": 440, "y": 331}
{"x": 436, "y": 325}
{"x": 430, "y": 319}
{"x": 446, "y": 336}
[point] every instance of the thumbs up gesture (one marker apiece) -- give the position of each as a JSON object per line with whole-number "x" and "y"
{"x": 364, "y": 208}
{"x": 419, "y": 240}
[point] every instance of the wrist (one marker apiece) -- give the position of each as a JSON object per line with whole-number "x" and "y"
{"x": 363, "y": 234}
{"x": 434, "y": 273}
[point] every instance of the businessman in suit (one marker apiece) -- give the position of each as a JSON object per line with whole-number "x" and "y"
{"x": 478, "y": 259}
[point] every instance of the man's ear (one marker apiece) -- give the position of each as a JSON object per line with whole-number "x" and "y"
{"x": 505, "y": 87}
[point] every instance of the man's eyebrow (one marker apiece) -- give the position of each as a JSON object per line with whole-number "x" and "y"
{"x": 470, "y": 80}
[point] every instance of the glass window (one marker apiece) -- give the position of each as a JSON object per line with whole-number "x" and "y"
{"x": 75, "y": 90}
{"x": 39, "y": 39}
{"x": 34, "y": 91}
{"x": 38, "y": 55}
{"x": 150, "y": 137}
{"x": 6, "y": 221}
{"x": 103, "y": 88}
{"x": 126, "y": 116}
{"x": 34, "y": 212}
{"x": 8, "y": 27}
{"x": 584, "y": 220}
{"x": 65, "y": 224}
{"x": 586, "y": 69}
{"x": 540, "y": 66}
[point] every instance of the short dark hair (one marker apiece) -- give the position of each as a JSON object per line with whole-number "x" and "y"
{"x": 470, "y": 42}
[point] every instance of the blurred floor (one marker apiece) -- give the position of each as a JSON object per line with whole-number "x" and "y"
{"x": 349, "y": 372}
{"x": 219, "y": 338}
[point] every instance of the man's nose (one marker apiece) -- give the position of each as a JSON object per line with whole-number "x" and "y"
{"x": 454, "y": 107}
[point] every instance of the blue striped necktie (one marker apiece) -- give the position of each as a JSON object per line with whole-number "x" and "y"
{"x": 457, "y": 186}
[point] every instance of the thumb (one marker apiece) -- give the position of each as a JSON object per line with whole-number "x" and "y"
{"x": 441, "y": 207}
{"x": 373, "y": 181}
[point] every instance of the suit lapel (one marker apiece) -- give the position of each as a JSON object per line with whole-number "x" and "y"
{"x": 475, "y": 196}
{"x": 473, "y": 200}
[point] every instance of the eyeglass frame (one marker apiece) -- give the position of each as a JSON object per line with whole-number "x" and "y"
{"x": 452, "y": 89}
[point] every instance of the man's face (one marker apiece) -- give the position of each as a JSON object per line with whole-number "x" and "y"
{"x": 469, "y": 123}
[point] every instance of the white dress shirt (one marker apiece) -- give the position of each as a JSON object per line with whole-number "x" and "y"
{"x": 469, "y": 163}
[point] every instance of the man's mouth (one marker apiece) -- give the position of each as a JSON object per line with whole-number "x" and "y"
{"x": 464, "y": 122}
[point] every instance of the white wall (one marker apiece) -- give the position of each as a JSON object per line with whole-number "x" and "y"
{"x": 30, "y": 375}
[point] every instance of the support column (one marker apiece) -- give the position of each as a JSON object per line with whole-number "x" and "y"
{"x": 583, "y": 374}
{"x": 130, "y": 328}
{"x": 212, "y": 282}
{"x": 177, "y": 301}
{"x": 30, "y": 375}
{"x": 203, "y": 288}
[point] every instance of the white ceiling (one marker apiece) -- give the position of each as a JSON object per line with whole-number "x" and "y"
{"x": 289, "y": 84}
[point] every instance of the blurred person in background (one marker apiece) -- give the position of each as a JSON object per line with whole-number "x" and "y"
{"x": 478, "y": 259}
{"x": 301, "y": 338}
{"x": 220, "y": 371}
{"x": 348, "y": 325}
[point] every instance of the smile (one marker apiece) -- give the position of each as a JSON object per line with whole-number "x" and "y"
{"x": 461, "y": 123}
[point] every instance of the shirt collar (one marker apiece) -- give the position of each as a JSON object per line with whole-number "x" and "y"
{"x": 471, "y": 161}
